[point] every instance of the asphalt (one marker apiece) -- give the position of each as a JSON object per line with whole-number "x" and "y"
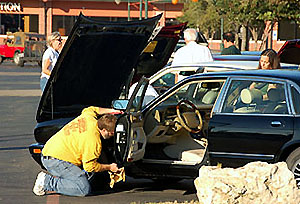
{"x": 19, "y": 98}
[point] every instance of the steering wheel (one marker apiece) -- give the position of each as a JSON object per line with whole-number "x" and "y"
{"x": 188, "y": 119}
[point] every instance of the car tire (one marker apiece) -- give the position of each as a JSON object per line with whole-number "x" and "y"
{"x": 293, "y": 163}
{"x": 1, "y": 59}
{"x": 17, "y": 60}
{"x": 40, "y": 63}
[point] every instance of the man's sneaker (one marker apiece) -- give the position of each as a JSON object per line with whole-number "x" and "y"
{"x": 38, "y": 188}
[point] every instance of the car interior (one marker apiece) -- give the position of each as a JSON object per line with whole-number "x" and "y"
{"x": 176, "y": 128}
{"x": 255, "y": 98}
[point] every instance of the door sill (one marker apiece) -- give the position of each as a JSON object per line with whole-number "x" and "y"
{"x": 176, "y": 162}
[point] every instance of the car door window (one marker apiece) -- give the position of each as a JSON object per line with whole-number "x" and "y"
{"x": 166, "y": 80}
{"x": 200, "y": 93}
{"x": 138, "y": 98}
{"x": 296, "y": 100}
{"x": 255, "y": 97}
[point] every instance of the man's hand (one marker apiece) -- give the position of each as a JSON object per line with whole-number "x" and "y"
{"x": 113, "y": 167}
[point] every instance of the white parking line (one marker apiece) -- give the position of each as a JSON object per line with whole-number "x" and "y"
{"x": 20, "y": 73}
{"x": 22, "y": 93}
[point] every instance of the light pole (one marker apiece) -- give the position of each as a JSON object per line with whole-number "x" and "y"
{"x": 146, "y": 9}
{"x": 128, "y": 8}
{"x": 141, "y": 9}
{"x": 45, "y": 16}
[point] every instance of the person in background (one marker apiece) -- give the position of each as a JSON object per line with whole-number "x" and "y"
{"x": 78, "y": 144}
{"x": 229, "y": 47}
{"x": 192, "y": 52}
{"x": 269, "y": 60}
{"x": 50, "y": 57}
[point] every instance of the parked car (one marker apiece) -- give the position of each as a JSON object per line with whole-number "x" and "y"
{"x": 229, "y": 118}
{"x": 23, "y": 47}
{"x": 93, "y": 67}
{"x": 290, "y": 52}
{"x": 170, "y": 75}
{"x": 166, "y": 138}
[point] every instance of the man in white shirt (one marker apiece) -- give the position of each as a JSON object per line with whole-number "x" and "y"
{"x": 192, "y": 53}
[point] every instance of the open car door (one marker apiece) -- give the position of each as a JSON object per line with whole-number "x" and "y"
{"x": 130, "y": 138}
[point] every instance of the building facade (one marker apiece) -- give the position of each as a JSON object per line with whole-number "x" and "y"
{"x": 45, "y": 16}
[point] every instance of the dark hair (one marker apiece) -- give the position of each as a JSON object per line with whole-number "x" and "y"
{"x": 108, "y": 122}
{"x": 229, "y": 37}
{"x": 273, "y": 58}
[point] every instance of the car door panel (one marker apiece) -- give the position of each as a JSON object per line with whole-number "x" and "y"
{"x": 238, "y": 135}
{"x": 130, "y": 138}
{"x": 248, "y": 138}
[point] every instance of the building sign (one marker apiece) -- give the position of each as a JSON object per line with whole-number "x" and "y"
{"x": 9, "y": 6}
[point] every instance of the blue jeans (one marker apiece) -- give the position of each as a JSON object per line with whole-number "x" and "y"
{"x": 43, "y": 83}
{"x": 66, "y": 178}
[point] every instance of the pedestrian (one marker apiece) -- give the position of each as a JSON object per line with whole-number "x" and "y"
{"x": 77, "y": 144}
{"x": 269, "y": 60}
{"x": 50, "y": 57}
{"x": 191, "y": 53}
{"x": 229, "y": 47}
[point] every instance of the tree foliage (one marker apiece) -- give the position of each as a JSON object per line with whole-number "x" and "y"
{"x": 254, "y": 14}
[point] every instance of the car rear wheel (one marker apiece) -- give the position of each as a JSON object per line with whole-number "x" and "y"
{"x": 293, "y": 162}
{"x": 17, "y": 60}
{"x": 1, "y": 59}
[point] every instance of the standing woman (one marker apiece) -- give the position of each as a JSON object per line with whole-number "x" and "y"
{"x": 269, "y": 60}
{"x": 50, "y": 57}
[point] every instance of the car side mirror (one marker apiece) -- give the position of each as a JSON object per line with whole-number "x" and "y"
{"x": 120, "y": 104}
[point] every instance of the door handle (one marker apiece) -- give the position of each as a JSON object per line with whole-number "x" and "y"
{"x": 275, "y": 123}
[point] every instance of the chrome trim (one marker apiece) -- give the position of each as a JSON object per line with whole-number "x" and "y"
{"x": 156, "y": 161}
{"x": 278, "y": 123}
{"x": 243, "y": 154}
{"x": 255, "y": 114}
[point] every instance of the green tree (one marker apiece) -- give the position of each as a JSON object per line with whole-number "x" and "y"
{"x": 202, "y": 15}
{"x": 257, "y": 15}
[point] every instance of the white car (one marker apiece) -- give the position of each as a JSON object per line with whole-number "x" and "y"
{"x": 170, "y": 75}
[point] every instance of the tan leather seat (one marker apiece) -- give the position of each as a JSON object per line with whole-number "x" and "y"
{"x": 276, "y": 103}
{"x": 252, "y": 98}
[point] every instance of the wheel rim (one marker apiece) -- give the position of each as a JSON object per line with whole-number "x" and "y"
{"x": 17, "y": 58}
{"x": 296, "y": 172}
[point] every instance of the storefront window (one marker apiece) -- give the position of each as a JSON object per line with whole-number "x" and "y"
{"x": 18, "y": 22}
{"x": 64, "y": 24}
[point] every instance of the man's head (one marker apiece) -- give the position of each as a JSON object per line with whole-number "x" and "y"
{"x": 190, "y": 34}
{"x": 106, "y": 125}
{"x": 228, "y": 39}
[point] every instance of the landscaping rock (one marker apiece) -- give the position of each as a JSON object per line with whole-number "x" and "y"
{"x": 256, "y": 182}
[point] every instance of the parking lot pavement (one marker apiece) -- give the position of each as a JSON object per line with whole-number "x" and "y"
{"x": 19, "y": 98}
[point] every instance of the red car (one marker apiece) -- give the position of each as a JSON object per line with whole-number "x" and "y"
{"x": 22, "y": 47}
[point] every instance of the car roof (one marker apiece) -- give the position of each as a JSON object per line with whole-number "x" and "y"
{"x": 292, "y": 75}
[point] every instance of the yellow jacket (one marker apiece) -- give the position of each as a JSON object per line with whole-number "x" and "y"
{"x": 78, "y": 142}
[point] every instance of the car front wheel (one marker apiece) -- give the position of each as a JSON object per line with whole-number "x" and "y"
{"x": 18, "y": 61}
{"x": 293, "y": 162}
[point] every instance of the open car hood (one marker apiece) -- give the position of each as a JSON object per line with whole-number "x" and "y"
{"x": 93, "y": 66}
{"x": 156, "y": 55}
{"x": 290, "y": 52}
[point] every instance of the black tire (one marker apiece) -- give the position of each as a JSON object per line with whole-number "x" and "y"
{"x": 1, "y": 59}
{"x": 293, "y": 163}
{"x": 40, "y": 63}
{"x": 17, "y": 60}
